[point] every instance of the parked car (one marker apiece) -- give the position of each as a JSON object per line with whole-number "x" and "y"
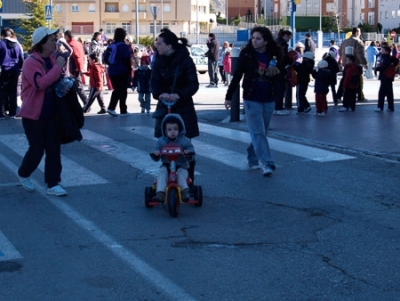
{"x": 201, "y": 61}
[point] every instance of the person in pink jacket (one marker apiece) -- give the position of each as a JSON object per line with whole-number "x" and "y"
{"x": 40, "y": 72}
{"x": 227, "y": 67}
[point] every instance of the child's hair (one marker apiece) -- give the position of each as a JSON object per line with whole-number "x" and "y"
{"x": 94, "y": 57}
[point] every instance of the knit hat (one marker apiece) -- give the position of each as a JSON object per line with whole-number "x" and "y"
{"x": 300, "y": 45}
{"x": 322, "y": 64}
{"x": 42, "y": 32}
{"x": 129, "y": 39}
{"x": 308, "y": 55}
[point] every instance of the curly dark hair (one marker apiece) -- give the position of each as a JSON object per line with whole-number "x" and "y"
{"x": 272, "y": 47}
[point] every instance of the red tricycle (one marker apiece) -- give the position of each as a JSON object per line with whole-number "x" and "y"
{"x": 173, "y": 192}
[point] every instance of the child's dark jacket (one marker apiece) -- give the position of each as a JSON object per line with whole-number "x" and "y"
{"x": 304, "y": 70}
{"x": 322, "y": 78}
{"x": 142, "y": 78}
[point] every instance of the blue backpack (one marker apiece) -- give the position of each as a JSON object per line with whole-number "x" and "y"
{"x": 109, "y": 56}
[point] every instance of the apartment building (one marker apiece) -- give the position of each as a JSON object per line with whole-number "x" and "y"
{"x": 84, "y": 17}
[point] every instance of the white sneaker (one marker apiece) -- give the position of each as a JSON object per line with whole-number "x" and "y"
{"x": 253, "y": 166}
{"x": 267, "y": 171}
{"x": 343, "y": 109}
{"x": 26, "y": 183}
{"x": 112, "y": 113}
{"x": 56, "y": 190}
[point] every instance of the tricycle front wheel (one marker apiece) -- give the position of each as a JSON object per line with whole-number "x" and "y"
{"x": 173, "y": 202}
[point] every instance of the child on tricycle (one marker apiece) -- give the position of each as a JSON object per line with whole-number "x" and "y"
{"x": 173, "y": 134}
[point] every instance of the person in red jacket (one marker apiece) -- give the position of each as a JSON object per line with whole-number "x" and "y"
{"x": 351, "y": 83}
{"x": 95, "y": 73}
{"x": 77, "y": 63}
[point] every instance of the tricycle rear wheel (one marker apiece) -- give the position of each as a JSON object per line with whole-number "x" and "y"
{"x": 147, "y": 197}
{"x": 198, "y": 195}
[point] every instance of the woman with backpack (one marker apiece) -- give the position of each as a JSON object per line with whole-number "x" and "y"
{"x": 118, "y": 58}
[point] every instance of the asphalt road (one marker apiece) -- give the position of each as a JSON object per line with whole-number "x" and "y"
{"x": 325, "y": 226}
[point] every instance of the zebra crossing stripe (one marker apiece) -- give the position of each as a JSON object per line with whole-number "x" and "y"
{"x": 222, "y": 155}
{"x": 135, "y": 157}
{"x": 7, "y": 250}
{"x": 76, "y": 174}
{"x": 299, "y": 150}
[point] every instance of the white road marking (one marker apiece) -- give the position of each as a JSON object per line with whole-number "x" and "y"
{"x": 307, "y": 152}
{"x": 79, "y": 177}
{"x": 135, "y": 157}
{"x": 7, "y": 250}
{"x": 154, "y": 277}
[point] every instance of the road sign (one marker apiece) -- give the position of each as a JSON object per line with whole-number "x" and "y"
{"x": 297, "y": 2}
{"x": 393, "y": 34}
{"x": 154, "y": 10}
{"x": 48, "y": 13}
{"x": 1, "y": 6}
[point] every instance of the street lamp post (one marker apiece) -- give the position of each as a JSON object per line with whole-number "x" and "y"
{"x": 197, "y": 22}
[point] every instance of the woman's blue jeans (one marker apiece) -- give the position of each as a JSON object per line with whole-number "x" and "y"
{"x": 258, "y": 117}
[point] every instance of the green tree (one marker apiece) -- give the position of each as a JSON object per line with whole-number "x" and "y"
{"x": 36, "y": 19}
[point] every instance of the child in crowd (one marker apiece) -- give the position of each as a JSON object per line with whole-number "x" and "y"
{"x": 95, "y": 73}
{"x": 65, "y": 51}
{"x": 322, "y": 77}
{"x": 227, "y": 66}
{"x": 351, "y": 83}
{"x": 387, "y": 73}
{"x": 303, "y": 70}
{"x": 173, "y": 131}
{"x": 142, "y": 79}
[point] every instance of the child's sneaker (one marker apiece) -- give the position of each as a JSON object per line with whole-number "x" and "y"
{"x": 159, "y": 197}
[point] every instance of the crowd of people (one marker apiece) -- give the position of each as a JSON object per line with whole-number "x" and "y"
{"x": 264, "y": 67}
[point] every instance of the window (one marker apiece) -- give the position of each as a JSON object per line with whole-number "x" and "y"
{"x": 125, "y": 8}
{"x": 167, "y": 8}
{"x": 92, "y": 8}
{"x": 126, "y": 26}
{"x": 74, "y": 8}
{"x": 393, "y": 14}
{"x": 58, "y": 8}
{"x": 142, "y": 8}
{"x": 110, "y": 28}
{"x": 110, "y": 8}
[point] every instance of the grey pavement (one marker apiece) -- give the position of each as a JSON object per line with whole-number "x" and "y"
{"x": 362, "y": 131}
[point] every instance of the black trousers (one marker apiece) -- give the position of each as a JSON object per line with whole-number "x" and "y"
{"x": 120, "y": 84}
{"x": 8, "y": 92}
{"x": 386, "y": 90}
{"x": 43, "y": 138}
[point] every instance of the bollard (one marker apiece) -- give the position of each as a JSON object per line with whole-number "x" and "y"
{"x": 235, "y": 104}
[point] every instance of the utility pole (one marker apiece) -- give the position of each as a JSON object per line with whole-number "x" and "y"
{"x": 137, "y": 21}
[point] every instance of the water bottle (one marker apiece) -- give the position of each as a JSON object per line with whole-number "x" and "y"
{"x": 64, "y": 85}
{"x": 273, "y": 62}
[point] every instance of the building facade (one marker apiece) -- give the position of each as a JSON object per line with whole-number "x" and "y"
{"x": 86, "y": 16}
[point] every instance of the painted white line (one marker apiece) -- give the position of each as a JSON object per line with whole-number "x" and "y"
{"x": 135, "y": 157}
{"x": 223, "y": 155}
{"x": 76, "y": 174}
{"x": 7, "y": 250}
{"x": 310, "y": 153}
{"x": 154, "y": 277}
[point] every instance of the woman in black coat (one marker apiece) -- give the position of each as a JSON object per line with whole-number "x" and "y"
{"x": 174, "y": 78}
